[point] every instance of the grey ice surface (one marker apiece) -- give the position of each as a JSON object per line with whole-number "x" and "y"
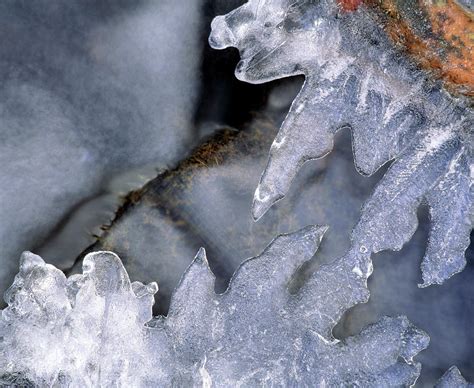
{"x": 96, "y": 328}
{"x": 89, "y": 91}
{"x": 355, "y": 77}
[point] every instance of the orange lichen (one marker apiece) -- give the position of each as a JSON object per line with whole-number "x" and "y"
{"x": 449, "y": 50}
{"x": 456, "y": 29}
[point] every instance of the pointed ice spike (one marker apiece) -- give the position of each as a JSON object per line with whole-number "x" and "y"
{"x": 272, "y": 270}
{"x": 306, "y": 134}
{"x": 201, "y": 257}
{"x": 451, "y": 210}
{"x": 453, "y": 378}
{"x": 403, "y": 187}
{"x": 195, "y": 290}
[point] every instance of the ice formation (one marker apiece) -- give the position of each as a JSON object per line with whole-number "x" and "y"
{"x": 96, "y": 328}
{"x": 356, "y": 78}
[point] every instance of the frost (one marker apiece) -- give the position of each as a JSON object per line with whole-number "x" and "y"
{"x": 355, "y": 78}
{"x": 96, "y": 329}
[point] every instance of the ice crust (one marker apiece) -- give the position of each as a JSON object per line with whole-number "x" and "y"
{"x": 356, "y": 78}
{"x": 96, "y": 329}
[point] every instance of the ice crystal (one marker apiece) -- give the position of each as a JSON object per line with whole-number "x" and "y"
{"x": 96, "y": 329}
{"x": 356, "y": 78}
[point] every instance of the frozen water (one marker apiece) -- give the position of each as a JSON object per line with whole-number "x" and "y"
{"x": 96, "y": 328}
{"x": 355, "y": 77}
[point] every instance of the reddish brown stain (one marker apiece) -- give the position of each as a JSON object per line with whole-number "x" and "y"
{"x": 349, "y": 5}
{"x": 449, "y": 52}
{"x": 456, "y": 30}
